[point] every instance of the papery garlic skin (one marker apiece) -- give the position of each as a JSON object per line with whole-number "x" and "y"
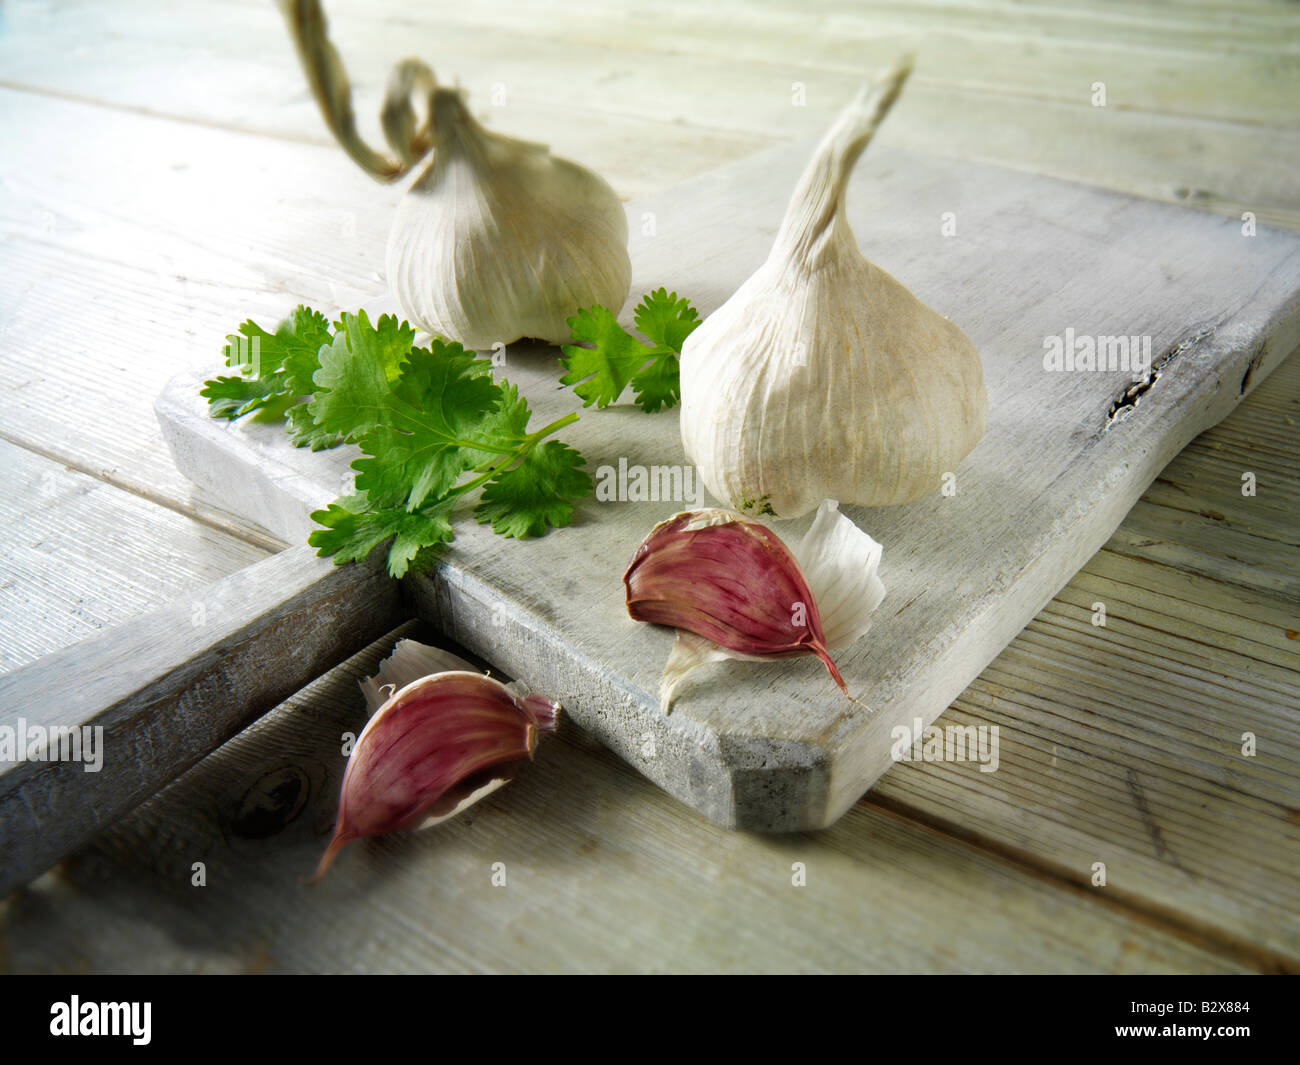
{"x": 433, "y": 748}
{"x": 730, "y": 580}
{"x": 841, "y": 564}
{"x": 498, "y": 240}
{"x": 822, "y": 377}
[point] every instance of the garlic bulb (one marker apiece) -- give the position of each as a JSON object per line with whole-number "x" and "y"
{"x": 822, "y": 376}
{"x": 733, "y": 589}
{"x": 497, "y": 239}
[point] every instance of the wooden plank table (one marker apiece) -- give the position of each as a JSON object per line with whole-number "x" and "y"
{"x": 128, "y": 259}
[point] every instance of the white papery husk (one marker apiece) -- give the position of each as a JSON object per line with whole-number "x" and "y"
{"x": 840, "y": 564}
{"x": 822, "y": 376}
{"x": 498, "y": 239}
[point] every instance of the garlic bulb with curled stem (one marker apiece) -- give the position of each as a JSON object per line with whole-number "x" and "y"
{"x": 497, "y": 239}
{"x": 822, "y": 376}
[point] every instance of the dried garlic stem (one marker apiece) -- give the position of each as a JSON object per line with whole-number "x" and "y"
{"x": 818, "y": 199}
{"x": 329, "y": 84}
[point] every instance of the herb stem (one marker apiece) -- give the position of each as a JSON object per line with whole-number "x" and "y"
{"x": 554, "y": 427}
{"x": 518, "y": 454}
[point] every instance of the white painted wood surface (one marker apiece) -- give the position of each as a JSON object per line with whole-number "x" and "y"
{"x": 64, "y": 581}
{"x": 776, "y": 747}
{"x": 999, "y": 81}
{"x": 112, "y": 281}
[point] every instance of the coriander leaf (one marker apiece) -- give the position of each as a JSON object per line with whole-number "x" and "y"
{"x": 300, "y": 366}
{"x": 353, "y": 529}
{"x": 540, "y": 491}
{"x": 504, "y": 427}
{"x": 415, "y": 412}
{"x": 301, "y": 337}
{"x": 658, "y": 385}
{"x": 353, "y": 383}
{"x": 260, "y": 357}
{"x": 617, "y": 359}
{"x": 431, "y": 428}
{"x": 276, "y": 408}
{"x": 599, "y": 374}
{"x": 666, "y": 319}
{"x": 306, "y": 433}
{"x": 229, "y": 396}
{"x": 431, "y": 423}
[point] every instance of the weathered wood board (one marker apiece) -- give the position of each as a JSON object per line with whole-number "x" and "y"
{"x": 93, "y": 730}
{"x": 776, "y": 747}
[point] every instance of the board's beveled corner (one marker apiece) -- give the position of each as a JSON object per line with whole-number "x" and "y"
{"x": 214, "y": 454}
{"x": 777, "y": 785}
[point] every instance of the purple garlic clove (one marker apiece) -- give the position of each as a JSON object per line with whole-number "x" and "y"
{"x": 730, "y": 580}
{"x": 733, "y": 589}
{"x": 435, "y": 747}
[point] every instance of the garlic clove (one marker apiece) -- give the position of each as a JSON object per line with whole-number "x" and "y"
{"x": 435, "y": 746}
{"x": 729, "y": 580}
{"x": 498, "y": 240}
{"x": 823, "y": 377}
{"x": 732, "y": 589}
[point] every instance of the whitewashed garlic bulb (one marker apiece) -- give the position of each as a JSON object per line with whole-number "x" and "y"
{"x": 822, "y": 376}
{"x": 497, "y": 239}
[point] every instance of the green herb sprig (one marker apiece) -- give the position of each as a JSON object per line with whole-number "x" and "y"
{"x": 433, "y": 425}
{"x": 431, "y": 422}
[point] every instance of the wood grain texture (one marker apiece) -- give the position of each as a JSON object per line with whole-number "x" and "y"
{"x": 77, "y": 556}
{"x": 164, "y": 689}
{"x": 774, "y": 747}
{"x": 113, "y": 285}
{"x": 603, "y": 873}
{"x": 1124, "y": 743}
{"x": 1005, "y": 83}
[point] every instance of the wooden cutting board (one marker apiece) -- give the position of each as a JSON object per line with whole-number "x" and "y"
{"x": 1014, "y": 259}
